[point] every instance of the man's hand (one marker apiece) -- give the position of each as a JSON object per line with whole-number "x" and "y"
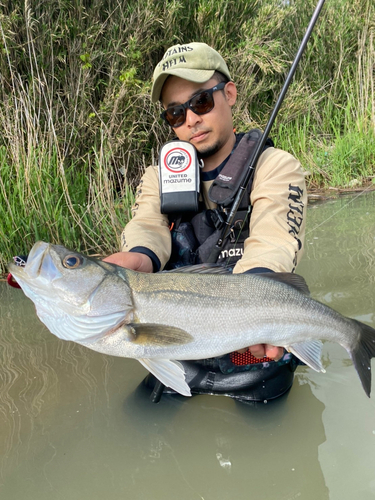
{"x": 131, "y": 260}
{"x": 265, "y": 350}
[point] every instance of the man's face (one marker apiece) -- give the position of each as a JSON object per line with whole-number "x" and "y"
{"x": 211, "y": 133}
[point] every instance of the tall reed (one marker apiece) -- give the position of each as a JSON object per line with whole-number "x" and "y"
{"x": 77, "y": 127}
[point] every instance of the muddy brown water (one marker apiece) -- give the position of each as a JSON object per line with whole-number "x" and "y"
{"x": 77, "y": 425}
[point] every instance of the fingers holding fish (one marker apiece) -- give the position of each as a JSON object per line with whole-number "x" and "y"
{"x": 264, "y": 350}
{"x": 131, "y": 260}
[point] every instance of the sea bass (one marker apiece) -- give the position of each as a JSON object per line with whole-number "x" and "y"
{"x": 164, "y": 317}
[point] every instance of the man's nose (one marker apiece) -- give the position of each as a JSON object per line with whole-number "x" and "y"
{"x": 192, "y": 118}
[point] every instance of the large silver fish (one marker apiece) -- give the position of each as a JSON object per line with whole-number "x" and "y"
{"x": 163, "y": 317}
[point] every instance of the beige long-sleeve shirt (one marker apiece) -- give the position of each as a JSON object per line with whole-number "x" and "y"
{"x": 277, "y": 223}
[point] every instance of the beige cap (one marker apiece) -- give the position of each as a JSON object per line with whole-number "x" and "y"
{"x": 196, "y": 62}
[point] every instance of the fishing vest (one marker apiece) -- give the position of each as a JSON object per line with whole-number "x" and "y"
{"x": 194, "y": 235}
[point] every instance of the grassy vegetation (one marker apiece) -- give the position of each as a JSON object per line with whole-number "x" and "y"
{"x": 77, "y": 126}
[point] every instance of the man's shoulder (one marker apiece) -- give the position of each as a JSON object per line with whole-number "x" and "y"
{"x": 274, "y": 151}
{"x": 151, "y": 171}
{"x": 277, "y": 163}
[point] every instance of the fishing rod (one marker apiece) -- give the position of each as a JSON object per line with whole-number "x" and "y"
{"x": 252, "y": 161}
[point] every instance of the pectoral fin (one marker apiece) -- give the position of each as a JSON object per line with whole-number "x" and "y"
{"x": 310, "y": 353}
{"x": 170, "y": 373}
{"x": 157, "y": 335}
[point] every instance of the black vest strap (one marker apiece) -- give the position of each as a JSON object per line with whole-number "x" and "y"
{"x": 224, "y": 188}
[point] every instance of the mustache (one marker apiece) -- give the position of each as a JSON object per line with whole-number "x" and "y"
{"x": 195, "y": 132}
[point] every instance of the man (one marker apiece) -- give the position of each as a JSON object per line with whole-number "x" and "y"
{"x": 195, "y": 88}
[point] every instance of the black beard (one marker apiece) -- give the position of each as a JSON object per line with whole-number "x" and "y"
{"x": 210, "y": 151}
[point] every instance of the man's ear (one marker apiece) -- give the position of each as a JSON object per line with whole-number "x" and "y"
{"x": 230, "y": 93}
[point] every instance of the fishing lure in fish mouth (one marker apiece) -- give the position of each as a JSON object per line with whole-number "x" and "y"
{"x": 163, "y": 318}
{"x": 19, "y": 260}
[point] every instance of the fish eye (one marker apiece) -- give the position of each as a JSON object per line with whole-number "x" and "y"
{"x": 72, "y": 261}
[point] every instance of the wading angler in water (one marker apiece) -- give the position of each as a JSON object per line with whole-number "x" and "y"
{"x": 181, "y": 203}
{"x": 239, "y": 334}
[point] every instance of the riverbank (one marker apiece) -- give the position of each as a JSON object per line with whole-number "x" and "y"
{"x": 324, "y": 194}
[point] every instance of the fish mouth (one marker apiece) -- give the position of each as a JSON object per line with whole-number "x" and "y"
{"x": 39, "y": 265}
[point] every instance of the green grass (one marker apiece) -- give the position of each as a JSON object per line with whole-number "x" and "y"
{"x": 333, "y": 159}
{"x": 43, "y": 201}
{"x": 77, "y": 126}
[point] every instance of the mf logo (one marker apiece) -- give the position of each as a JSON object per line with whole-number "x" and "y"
{"x": 177, "y": 160}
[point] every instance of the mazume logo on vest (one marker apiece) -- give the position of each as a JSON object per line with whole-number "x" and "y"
{"x": 178, "y": 168}
{"x": 177, "y": 160}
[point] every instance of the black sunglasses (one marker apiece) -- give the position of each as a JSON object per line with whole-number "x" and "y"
{"x": 200, "y": 104}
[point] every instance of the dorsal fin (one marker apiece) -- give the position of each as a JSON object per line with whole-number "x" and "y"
{"x": 294, "y": 280}
{"x": 204, "y": 269}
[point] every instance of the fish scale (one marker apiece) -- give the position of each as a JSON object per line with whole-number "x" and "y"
{"x": 268, "y": 322}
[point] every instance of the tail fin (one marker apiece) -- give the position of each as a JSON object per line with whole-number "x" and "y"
{"x": 362, "y": 354}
